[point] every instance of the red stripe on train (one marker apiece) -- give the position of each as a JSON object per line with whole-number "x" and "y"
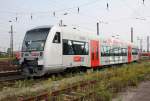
{"x": 129, "y": 53}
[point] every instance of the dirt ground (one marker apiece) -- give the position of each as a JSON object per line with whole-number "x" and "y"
{"x": 141, "y": 93}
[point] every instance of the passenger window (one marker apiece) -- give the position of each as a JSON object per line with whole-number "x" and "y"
{"x": 72, "y": 47}
{"x": 102, "y": 51}
{"x": 57, "y": 38}
{"x": 67, "y": 47}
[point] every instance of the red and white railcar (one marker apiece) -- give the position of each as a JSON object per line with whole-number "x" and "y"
{"x": 55, "y": 48}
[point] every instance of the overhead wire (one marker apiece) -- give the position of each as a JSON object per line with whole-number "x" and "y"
{"x": 59, "y": 10}
{"x": 69, "y": 8}
{"x": 134, "y": 10}
{"x": 41, "y": 13}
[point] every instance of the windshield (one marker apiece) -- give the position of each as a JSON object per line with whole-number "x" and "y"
{"x": 35, "y": 39}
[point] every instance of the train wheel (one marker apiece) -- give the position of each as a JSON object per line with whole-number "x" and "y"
{"x": 83, "y": 69}
{"x": 38, "y": 72}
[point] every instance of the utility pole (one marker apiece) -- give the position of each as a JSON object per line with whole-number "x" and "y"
{"x": 132, "y": 34}
{"x": 61, "y": 22}
{"x": 11, "y": 41}
{"x": 148, "y": 44}
{"x": 141, "y": 47}
{"x": 97, "y": 28}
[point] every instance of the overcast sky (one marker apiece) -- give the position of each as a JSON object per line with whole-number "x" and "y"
{"x": 120, "y": 16}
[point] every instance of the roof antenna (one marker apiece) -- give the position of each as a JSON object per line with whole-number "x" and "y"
{"x": 97, "y": 24}
{"x": 78, "y": 10}
{"x": 54, "y": 14}
{"x": 16, "y": 17}
{"x": 143, "y": 2}
{"x": 31, "y": 16}
{"x": 61, "y": 23}
{"x": 107, "y": 6}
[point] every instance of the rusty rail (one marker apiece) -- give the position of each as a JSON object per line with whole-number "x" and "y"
{"x": 7, "y": 66}
{"x": 76, "y": 92}
{"x": 9, "y": 72}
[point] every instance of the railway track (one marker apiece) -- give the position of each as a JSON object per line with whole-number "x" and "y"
{"x": 80, "y": 91}
{"x": 15, "y": 74}
{"x": 10, "y": 75}
{"x": 9, "y": 72}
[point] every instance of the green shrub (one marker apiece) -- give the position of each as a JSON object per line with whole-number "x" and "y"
{"x": 103, "y": 94}
{"x": 24, "y": 83}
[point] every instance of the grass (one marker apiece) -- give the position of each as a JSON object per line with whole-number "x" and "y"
{"x": 3, "y": 59}
{"x": 110, "y": 82}
{"x": 6, "y": 58}
{"x": 118, "y": 79}
{"x": 13, "y": 60}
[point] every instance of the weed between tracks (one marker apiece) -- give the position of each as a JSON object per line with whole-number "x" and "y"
{"x": 110, "y": 81}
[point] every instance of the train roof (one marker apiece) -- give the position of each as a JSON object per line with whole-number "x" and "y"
{"x": 40, "y": 27}
{"x": 118, "y": 42}
{"x": 80, "y": 32}
{"x": 73, "y": 30}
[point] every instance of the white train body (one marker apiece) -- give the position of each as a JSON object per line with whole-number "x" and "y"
{"x": 55, "y": 48}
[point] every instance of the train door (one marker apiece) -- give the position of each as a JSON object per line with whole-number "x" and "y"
{"x": 129, "y": 53}
{"x": 57, "y": 49}
{"x": 94, "y": 48}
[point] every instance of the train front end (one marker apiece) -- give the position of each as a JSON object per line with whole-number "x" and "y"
{"x": 32, "y": 59}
